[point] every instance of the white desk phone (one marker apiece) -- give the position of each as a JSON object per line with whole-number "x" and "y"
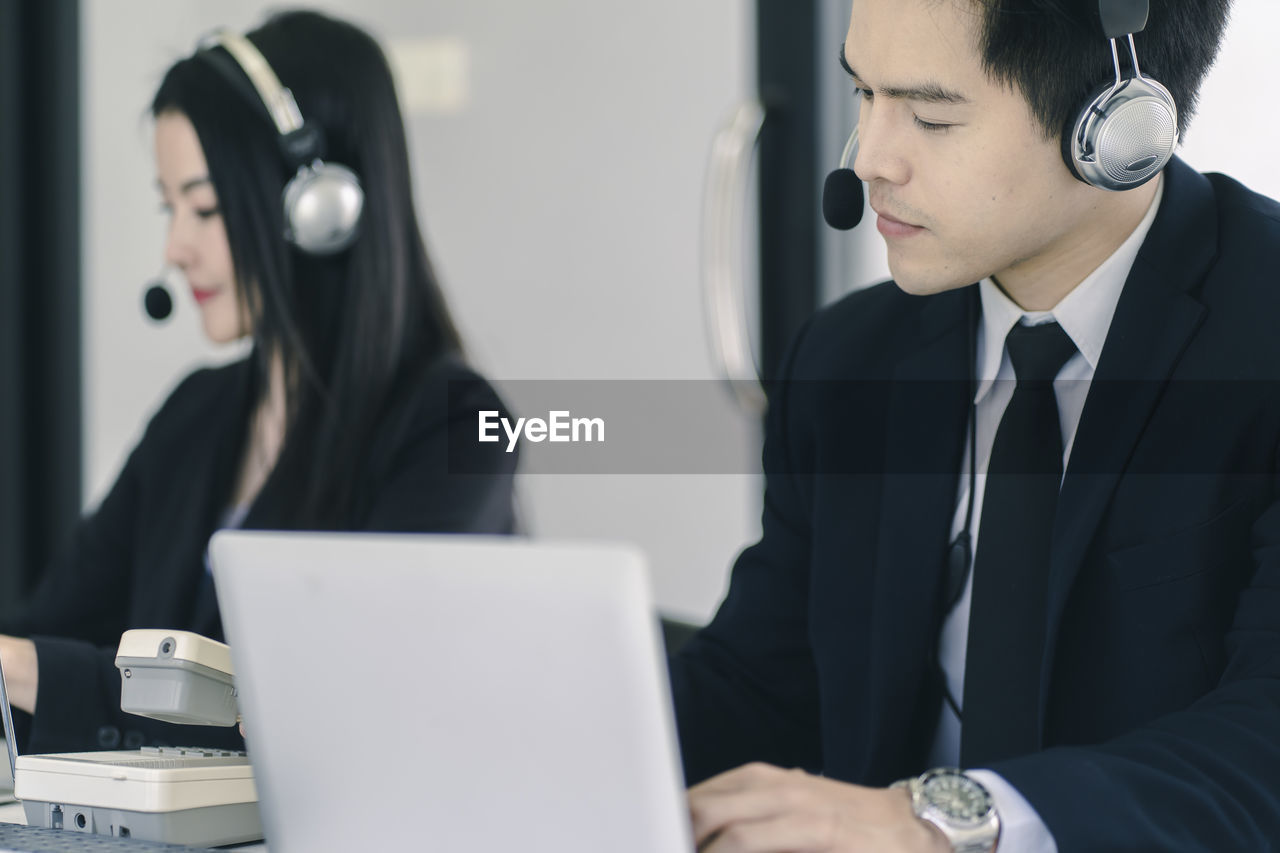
{"x": 176, "y": 795}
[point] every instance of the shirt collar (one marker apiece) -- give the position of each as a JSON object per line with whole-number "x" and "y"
{"x": 1085, "y": 313}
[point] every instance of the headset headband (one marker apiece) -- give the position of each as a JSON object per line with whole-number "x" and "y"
{"x": 301, "y": 142}
{"x": 278, "y": 100}
{"x": 1123, "y": 17}
{"x": 323, "y": 201}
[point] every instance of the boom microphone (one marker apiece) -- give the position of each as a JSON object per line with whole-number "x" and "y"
{"x": 842, "y": 201}
{"x": 157, "y": 301}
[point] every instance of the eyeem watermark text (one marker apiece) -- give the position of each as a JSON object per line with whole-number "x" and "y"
{"x": 558, "y": 427}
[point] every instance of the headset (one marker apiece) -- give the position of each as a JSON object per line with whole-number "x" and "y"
{"x": 1128, "y": 129}
{"x": 322, "y": 201}
{"x": 842, "y": 201}
{"x": 1124, "y": 134}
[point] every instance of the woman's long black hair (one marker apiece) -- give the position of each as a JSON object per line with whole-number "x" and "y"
{"x": 351, "y": 329}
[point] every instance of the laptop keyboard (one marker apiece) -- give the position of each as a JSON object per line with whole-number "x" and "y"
{"x": 15, "y": 838}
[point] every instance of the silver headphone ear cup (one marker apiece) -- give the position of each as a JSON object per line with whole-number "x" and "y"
{"x": 1123, "y": 138}
{"x": 322, "y": 207}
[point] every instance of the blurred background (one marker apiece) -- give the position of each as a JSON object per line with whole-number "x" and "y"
{"x": 610, "y": 190}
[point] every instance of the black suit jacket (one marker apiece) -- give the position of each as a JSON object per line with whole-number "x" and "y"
{"x": 138, "y": 560}
{"x": 1160, "y": 704}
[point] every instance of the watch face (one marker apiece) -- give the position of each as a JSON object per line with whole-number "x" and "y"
{"x": 958, "y": 797}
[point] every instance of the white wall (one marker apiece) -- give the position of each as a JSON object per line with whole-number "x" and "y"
{"x": 1236, "y": 125}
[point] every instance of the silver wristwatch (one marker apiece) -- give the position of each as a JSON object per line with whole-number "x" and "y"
{"x": 958, "y": 805}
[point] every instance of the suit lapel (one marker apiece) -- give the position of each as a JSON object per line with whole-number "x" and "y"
{"x": 925, "y": 423}
{"x": 1154, "y": 321}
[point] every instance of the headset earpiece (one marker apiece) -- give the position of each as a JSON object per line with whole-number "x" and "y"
{"x": 1128, "y": 129}
{"x": 322, "y": 201}
{"x": 322, "y": 205}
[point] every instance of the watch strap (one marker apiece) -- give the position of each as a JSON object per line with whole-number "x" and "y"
{"x": 962, "y": 839}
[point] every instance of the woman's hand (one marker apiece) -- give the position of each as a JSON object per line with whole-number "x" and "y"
{"x": 21, "y": 672}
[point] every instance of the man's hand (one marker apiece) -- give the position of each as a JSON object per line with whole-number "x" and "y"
{"x": 764, "y": 809}
{"x": 21, "y": 672}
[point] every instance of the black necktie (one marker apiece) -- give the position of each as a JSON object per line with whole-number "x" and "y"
{"x": 1011, "y": 567}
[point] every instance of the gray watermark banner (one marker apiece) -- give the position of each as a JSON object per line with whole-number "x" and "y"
{"x": 869, "y": 427}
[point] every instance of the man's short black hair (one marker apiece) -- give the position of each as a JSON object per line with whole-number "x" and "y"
{"x": 1054, "y": 51}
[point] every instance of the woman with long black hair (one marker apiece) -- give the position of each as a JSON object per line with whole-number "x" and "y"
{"x": 354, "y": 410}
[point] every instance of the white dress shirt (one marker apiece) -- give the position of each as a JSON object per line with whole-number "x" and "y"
{"x": 1085, "y": 315}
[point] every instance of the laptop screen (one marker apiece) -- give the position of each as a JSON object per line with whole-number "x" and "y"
{"x": 460, "y": 692}
{"x": 10, "y": 740}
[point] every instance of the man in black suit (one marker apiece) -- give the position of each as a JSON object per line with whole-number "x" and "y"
{"x": 1089, "y": 624}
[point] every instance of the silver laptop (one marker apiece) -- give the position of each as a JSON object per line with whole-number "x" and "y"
{"x": 6, "y": 774}
{"x": 451, "y": 693}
